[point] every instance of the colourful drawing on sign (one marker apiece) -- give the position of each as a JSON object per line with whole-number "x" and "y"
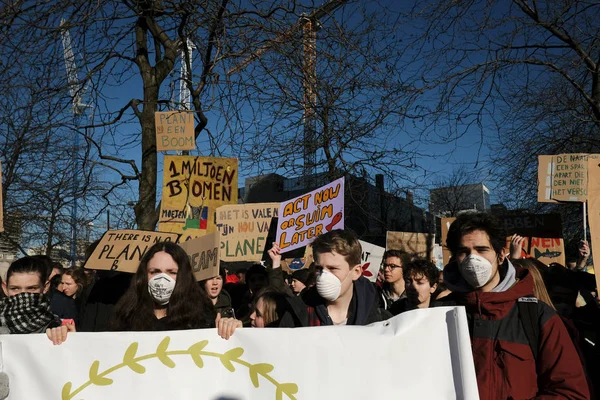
{"x": 371, "y": 257}
{"x": 365, "y": 270}
{"x": 196, "y": 219}
{"x": 304, "y": 218}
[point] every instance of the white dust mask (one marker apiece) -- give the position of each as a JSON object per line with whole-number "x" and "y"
{"x": 161, "y": 287}
{"x": 476, "y": 270}
{"x": 329, "y": 286}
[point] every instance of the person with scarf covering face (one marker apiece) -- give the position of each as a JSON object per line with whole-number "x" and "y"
{"x": 163, "y": 295}
{"x": 26, "y": 309}
{"x": 499, "y": 302}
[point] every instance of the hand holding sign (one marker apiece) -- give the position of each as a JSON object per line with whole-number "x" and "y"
{"x": 275, "y": 254}
{"x": 516, "y": 246}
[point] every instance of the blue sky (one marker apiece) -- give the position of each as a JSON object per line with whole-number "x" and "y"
{"x": 438, "y": 159}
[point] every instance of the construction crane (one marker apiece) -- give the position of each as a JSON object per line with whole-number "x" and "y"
{"x": 309, "y": 25}
{"x": 77, "y": 92}
{"x": 185, "y": 76}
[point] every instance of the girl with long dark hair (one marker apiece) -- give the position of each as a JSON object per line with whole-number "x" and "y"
{"x": 163, "y": 295}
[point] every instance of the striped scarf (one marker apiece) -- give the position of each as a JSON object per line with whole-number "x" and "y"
{"x": 27, "y": 313}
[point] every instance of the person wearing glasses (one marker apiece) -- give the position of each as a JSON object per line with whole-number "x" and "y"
{"x": 393, "y": 288}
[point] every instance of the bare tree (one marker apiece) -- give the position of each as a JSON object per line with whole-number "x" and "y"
{"x": 455, "y": 192}
{"x": 128, "y": 55}
{"x": 39, "y": 164}
{"x": 520, "y": 77}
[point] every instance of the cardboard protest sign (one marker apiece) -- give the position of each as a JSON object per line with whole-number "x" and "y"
{"x": 244, "y": 229}
{"x": 411, "y": 242}
{"x": 446, "y": 222}
{"x": 304, "y": 218}
{"x": 538, "y": 225}
{"x": 569, "y": 182}
{"x": 122, "y": 250}
{"x": 594, "y": 208}
{"x": 302, "y": 261}
{"x": 175, "y": 130}
{"x": 545, "y": 175}
{"x": 548, "y": 250}
{"x": 193, "y": 188}
{"x": 372, "y": 258}
{"x": 204, "y": 255}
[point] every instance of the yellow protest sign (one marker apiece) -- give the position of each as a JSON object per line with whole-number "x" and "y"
{"x": 204, "y": 255}
{"x": 175, "y": 130}
{"x": 193, "y": 188}
{"x": 122, "y": 250}
{"x": 244, "y": 229}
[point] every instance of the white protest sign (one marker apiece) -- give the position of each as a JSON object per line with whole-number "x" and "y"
{"x": 372, "y": 256}
{"x": 388, "y": 357}
{"x": 305, "y": 217}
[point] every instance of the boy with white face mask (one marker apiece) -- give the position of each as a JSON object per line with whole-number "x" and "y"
{"x": 342, "y": 296}
{"x": 509, "y": 362}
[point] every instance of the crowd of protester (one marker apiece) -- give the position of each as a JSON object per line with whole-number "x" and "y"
{"x": 533, "y": 326}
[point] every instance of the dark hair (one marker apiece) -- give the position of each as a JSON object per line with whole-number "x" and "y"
{"x": 401, "y": 254}
{"x": 422, "y": 267}
{"x": 441, "y": 287}
{"x": 275, "y": 305}
{"x": 342, "y": 242}
{"x": 29, "y": 264}
{"x": 188, "y": 307}
{"x": 80, "y": 278}
{"x": 48, "y": 263}
{"x": 257, "y": 278}
{"x": 55, "y": 281}
{"x": 469, "y": 222}
{"x": 307, "y": 276}
{"x": 58, "y": 266}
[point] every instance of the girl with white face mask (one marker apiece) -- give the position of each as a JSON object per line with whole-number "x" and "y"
{"x": 163, "y": 295}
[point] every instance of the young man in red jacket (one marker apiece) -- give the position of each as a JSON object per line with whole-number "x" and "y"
{"x": 484, "y": 281}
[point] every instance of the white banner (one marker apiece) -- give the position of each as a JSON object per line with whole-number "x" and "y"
{"x": 421, "y": 354}
{"x": 372, "y": 257}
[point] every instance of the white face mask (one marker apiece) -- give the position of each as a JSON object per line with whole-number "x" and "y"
{"x": 161, "y": 287}
{"x": 329, "y": 286}
{"x": 476, "y": 270}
